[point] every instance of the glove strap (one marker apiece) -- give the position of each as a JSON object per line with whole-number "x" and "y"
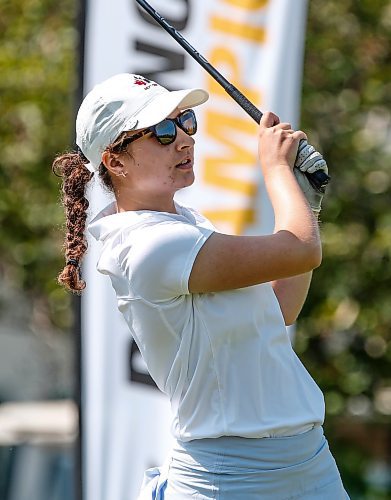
{"x": 316, "y": 215}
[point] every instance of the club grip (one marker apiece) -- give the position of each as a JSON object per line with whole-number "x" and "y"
{"x": 319, "y": 179}
{"x": 244, "y": 103}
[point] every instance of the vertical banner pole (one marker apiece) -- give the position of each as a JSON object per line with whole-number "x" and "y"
{"x": 76, "y": 303}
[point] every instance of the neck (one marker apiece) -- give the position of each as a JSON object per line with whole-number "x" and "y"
{"x": 127, "y": 202}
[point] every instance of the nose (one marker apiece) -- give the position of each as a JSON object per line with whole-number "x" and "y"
{"x": 183, "y": 140}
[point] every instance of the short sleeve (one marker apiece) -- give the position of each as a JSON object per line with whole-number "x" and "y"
{"x": 159, "y": 258}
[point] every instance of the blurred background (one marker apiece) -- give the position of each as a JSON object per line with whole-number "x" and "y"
{"x": 344, "y": 332}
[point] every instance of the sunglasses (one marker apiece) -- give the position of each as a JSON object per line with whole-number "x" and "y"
{"x": 166, "y": 130}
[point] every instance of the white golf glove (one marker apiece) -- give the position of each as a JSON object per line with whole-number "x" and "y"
{"x": 309, "y": 160}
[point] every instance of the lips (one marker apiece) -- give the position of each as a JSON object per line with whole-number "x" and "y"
{"x": 185, "y": 164}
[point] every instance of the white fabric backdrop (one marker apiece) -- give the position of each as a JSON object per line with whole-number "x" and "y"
{"x": 258, "y": 46}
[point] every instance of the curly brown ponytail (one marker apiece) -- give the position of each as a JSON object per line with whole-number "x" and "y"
{"x": 71, "y": 168}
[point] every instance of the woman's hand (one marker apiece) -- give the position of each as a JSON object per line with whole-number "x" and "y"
{"x": 278, "y": 144}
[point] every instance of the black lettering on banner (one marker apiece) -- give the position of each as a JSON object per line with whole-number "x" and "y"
{"x": 135, "y": 373}
{"x": 178, "y": 24}
{"x": 170, "y": 60}
{"x": 173, "y": 61}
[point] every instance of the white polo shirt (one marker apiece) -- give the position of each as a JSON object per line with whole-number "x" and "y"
{"x": 224, "y": 359}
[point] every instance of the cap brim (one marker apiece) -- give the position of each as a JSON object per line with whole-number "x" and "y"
{"x": 164, "y": 104}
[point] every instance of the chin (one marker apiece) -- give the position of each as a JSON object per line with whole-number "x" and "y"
{"x": 188, "y": 180}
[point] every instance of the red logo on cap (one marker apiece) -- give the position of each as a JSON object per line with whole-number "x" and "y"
{"x": 138, "y": 81}
{"x": 141, "y": 80}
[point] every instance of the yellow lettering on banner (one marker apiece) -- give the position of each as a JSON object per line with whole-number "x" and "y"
{"x": 228, "y": 130}
{"x": 222, "y": 127}
{"x": 248, "y": 4}
{"x": 237, "y": 219}
{"x": 223, "y": 57}
{"x": 239, "y": 29}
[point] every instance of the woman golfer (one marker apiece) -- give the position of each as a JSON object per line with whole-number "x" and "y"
{"x": 208, "y": 310}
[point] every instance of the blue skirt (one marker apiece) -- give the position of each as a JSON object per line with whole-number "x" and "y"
{"x": 235, "y": 468}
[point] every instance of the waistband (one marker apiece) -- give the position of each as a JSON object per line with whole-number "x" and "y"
{"x": 249, "y": 453}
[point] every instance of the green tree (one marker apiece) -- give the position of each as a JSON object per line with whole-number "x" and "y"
{"x": 345, "y": 330}
{"x": 38, "y": 42}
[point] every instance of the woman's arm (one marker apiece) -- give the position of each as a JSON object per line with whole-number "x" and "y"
{"x": 227, "y": 262}
{"x": 291, "y": 294}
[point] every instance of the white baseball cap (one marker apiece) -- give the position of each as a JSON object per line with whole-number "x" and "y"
{"x": 126, "y": 102}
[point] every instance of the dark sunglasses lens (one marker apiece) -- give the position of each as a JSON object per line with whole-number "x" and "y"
{"x": 165, "y": 132}
{"x": 188, "y": 122}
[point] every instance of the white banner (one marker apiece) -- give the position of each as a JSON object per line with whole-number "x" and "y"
{"x": 258, "y": 46}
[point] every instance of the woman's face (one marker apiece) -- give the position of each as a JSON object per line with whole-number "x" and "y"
{"x": 159, "y": 170}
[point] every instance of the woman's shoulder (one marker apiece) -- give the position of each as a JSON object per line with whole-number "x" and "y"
{"x": 194, "y": 216}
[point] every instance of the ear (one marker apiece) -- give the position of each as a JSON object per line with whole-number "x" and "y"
{"x": 113, "y": 163}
